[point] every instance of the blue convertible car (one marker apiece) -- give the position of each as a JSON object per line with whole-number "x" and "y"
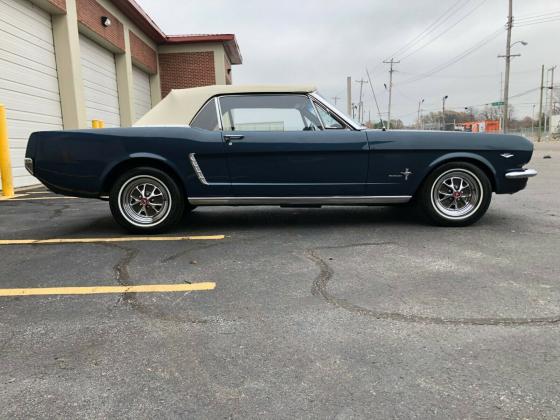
{"x": 273, "y": 145}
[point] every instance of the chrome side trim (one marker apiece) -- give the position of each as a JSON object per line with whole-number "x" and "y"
{"x": 524, "y": 173}
{"x": 228, "y": 201}
{"x": 197, "y": 169}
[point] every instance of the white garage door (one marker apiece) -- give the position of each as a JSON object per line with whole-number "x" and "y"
{"x": 142, "y": 93}
{"x": 28, "y": 78}
{"x": 100, "y": 83}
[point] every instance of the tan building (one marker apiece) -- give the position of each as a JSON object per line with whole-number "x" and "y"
{"x": 64, "y": 63}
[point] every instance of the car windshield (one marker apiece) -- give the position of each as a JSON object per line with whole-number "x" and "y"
{"x": 338, "y": 110}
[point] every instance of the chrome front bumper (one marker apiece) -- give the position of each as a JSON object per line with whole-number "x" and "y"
{"x": 520, "y": 174}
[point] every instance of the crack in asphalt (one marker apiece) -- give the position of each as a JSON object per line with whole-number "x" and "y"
{"x": 122, "y": 276}
{"x": 326, "y": 273}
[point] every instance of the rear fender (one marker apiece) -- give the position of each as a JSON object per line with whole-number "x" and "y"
{"x": 140, "y": 159}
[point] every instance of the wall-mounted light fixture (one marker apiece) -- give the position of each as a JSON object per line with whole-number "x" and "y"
{"x": 105, "y": 21}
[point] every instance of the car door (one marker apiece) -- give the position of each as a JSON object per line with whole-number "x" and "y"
{"x": 277, "y": 146}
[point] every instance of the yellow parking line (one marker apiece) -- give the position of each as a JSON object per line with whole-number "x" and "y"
{"x": 43, "y": 198}
{"x": 102, "y": 240}
{"x": 146, "y": 288}
{"x": 15, "y": 197}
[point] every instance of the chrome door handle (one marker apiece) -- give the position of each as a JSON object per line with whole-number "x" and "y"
{"x": 230, "y": 137}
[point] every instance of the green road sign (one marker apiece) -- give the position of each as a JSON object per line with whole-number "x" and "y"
{"x": 499, "y": 103}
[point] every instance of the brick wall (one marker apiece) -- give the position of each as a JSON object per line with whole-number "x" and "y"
{"x": 60, "y": 4}
{"x": 186, "y": 70}
{"x": 143, "y": 53}
{"x": 89, "y": 14}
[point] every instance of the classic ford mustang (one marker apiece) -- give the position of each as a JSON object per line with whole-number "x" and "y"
{"x": 273, "y": 145}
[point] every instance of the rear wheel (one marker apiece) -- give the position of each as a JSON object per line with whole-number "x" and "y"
{"x": 146, "y": 200}
{"x": 456, "y": 194}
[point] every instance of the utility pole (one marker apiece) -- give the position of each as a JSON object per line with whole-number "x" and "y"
{"x": 391, "y": 63}
{"x": 335, "y": 99}
{"x": 540, "y": 104}
{"x": 361, "y": 104}
{"x": 551, "y": 99}
{"x": 349, "y": 95}
{"x": 533, "y": 122}
{"x": 420, "y": 102}
{"x": 508, "y": 59}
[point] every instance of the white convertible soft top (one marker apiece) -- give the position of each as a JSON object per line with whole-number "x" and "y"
{"x": 181, "y": 105}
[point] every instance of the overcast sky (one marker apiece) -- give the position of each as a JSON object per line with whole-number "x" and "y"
{"x": 323, "y": 41}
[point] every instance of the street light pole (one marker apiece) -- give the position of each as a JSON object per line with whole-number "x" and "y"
{"x": 540, "y": 104}
{"x": 443, "y": 111}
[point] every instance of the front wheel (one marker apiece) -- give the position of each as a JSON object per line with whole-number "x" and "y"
{"x": 456, "y": 194}
{"x": 146, "y": 200}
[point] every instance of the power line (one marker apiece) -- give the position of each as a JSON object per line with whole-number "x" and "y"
{"x": 433, "y": 26}
{"x": 447, "y": 29}
{"x": 375, "y": 98}
{"x": 538, "y": 15}
{"x": 554, "y": 19}
{"x": 457, "y": 58}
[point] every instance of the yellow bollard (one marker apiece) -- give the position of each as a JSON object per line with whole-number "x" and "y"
{"x": 5, "y": 163}
{"x": 94, "y": 124}
{"x": 101, "y": 124}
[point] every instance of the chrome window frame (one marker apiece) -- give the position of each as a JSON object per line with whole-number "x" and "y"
{"x": 216, "y": 106}
{"x": 306, "y": 96}
{"x": 336, "y": 112}
{"x": 344, "y": 125}
{"x": 313, "y": 96}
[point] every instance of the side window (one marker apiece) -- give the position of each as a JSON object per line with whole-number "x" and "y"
{"x": 207, "y": 117}
{"x": 330, "y": 122}
{"x": 268, "y": 113}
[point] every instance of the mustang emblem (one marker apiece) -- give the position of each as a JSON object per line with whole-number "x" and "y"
{"x": 406, "y": 173}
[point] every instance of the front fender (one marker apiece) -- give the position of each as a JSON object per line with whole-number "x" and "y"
{"x": 465, "y": 156}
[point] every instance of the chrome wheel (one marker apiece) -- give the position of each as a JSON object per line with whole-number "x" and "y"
{"x": 457, "y": 194}
{"x": 144, "y": 201}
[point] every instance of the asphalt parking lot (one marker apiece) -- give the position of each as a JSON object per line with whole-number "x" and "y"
{"x": 359, "y": 312}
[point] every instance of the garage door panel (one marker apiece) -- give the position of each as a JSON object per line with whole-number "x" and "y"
{"x": 18, "y": 31}
{"x": 29, "y": 81}
{"x": 48, "y": 121}
{"x": 26, "y": 53}
{"x": 26, "y": 11}
{"x": 96, "y": 85}
{"x": 19, "y": 131}
{"x": 96, "y": 55}
{"x": 99, "y": 76}
{"x": 30, "y": 104}
{"x": 28, "y": 78}
{"x": 142, "y": 92}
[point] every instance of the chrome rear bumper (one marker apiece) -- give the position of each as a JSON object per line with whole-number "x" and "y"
{"x": 520, "y": 174}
